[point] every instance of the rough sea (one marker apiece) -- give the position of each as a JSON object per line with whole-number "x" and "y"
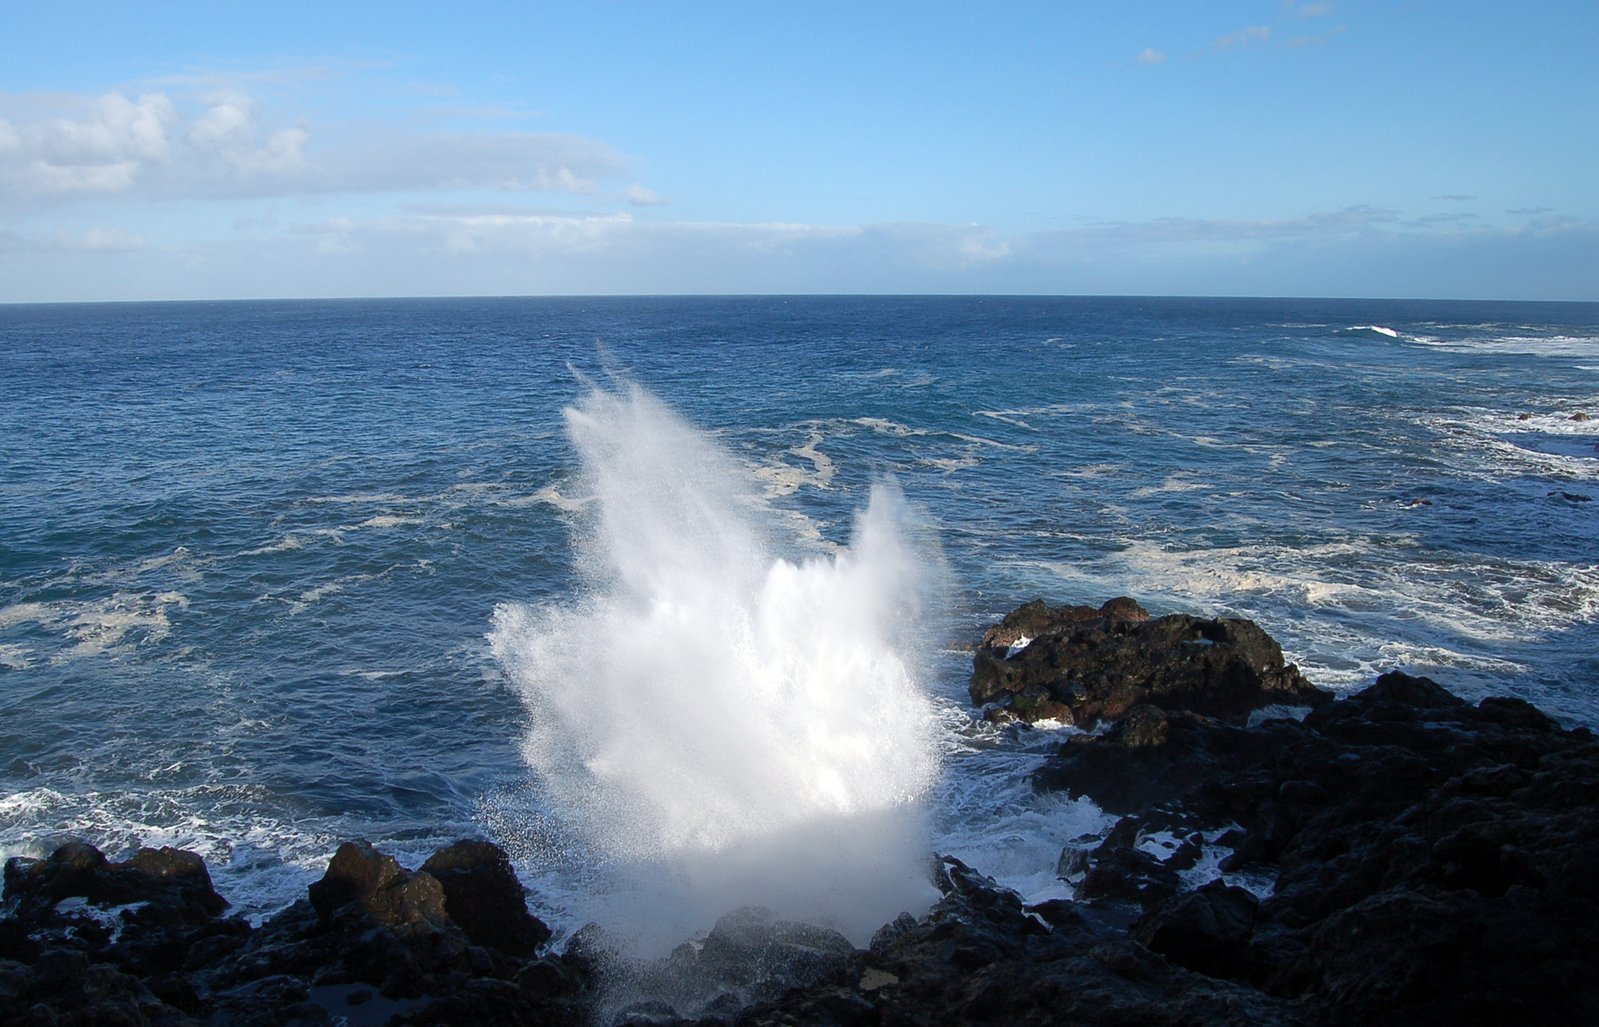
{"x": 277, "y": 574}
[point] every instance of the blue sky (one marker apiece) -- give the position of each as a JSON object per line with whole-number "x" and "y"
{"x": 201, "y": 150}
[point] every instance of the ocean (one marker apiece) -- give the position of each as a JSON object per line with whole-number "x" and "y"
{"x": 640, "y": 582}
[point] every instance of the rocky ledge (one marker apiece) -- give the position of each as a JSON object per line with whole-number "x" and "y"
{"x": 1079, "y": 665}
{"x": 1397, "y": 857}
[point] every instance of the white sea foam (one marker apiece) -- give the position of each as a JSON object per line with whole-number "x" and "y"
{"x": 358, "y": 498}
{"x": 98, "y": 626}
{"x": 784, "y": 479}
{"x": 1548, "y": 444}
{"x": 552, "y": 496}
{"x": 15, "y": 657}
{"x": 312, "y": 596}
{"x": 386, "y": 521}
{"x": 287, "y": 544}
{"x": 1563, "y": 346}
{"x": 25, "y": 613}
{"x": 1172, "y": 483}
{"x": 990, "y": 817}
{"x": 714, "y": 724}
{"x": 260, "y": 861}
{"x": 1350, "y": 609}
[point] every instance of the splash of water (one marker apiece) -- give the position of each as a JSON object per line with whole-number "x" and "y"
{"x": 715, "y": 724}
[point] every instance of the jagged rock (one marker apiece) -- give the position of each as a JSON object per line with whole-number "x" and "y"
{"x": 482, "y": 894}
{"x": 1080, "y": 665}
{"x": 174, "y": 881}
{"x": 1153, "y": 756}
{"x": 751, "y": 943}
{"x": 979, "y": 957}
{"x": 385, "y": 892}
{"x": 1205, "y": 930}
{"x": 86, "y": 940}
{"x": 1435, "y": 861}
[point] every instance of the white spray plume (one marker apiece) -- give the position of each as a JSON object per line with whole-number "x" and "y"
{"x": 715, "y": 724}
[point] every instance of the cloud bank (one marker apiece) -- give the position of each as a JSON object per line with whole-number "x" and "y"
{"x": 200, "y": 189}
{"x": 56, "y": 149}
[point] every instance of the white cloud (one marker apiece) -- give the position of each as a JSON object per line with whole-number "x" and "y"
{"x": 1243, "y": 37}
{"x": 220, "y": 144}
{"x": 228, "y": 131}
{"x": 531, "y": 233}
{"x": 639, "y": 196}
{"x": 98, "y": 240}
{"x": 505, "y": 161}
{"x": 89, "y": 145}
{"x": 1151, "y": 55}
{"x": 42, "y": 176}
{"x": 1357, "y": 251}
{"x": 1220, "y": 232}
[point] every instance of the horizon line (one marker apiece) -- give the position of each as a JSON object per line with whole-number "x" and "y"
{"x": 786, "y": 296}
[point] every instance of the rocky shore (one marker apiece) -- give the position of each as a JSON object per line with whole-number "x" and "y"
{"x": 1400, "y": 856}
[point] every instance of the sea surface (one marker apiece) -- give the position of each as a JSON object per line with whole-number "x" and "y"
{"x": 251, "y": 553}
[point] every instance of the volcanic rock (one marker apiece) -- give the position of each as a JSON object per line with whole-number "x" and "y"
{"x": 1080, "y": 665}
{"x": 482, "y": 894}
{"x": 88, "y": 941}
{"x": 1434, "y": 861}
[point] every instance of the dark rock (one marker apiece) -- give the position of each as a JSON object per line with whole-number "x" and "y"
{"x": 381, "y": 889}
{"x": 1205, "y": 930}
{"x": 1432, "y": 858}
{"x": 1151, "y": 756}
{"x": 174, "y": 880}
{"x": 1127, "y": 874}
{"x": 979, "y": 957}
{"x": 1081, "y": 665}
{"x": 483, "y": 896}
{"x": 751, "y": 942}
{"x": 86, "y": 940}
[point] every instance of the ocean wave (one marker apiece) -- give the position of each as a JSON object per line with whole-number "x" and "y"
{"x": 1548, "y": 444}
{"x": 1346, "y": 610}
{"x": 1562, "y": 346}
{"x": 987, "y": 814}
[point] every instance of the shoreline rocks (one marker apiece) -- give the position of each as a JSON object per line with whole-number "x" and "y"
{"x": 1079, "y": 665}
{"x": 1399, "y": 856}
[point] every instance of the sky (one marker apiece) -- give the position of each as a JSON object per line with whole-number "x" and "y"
{"x": 1267, "y": 148}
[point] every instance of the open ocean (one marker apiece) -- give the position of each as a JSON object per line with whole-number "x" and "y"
{"x": 251, "y": 553}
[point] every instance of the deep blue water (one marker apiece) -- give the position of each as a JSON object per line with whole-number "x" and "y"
{"x": 249, "y": 551}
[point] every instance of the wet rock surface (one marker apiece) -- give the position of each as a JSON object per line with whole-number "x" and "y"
{"x": 1401, "y": 856}
{"x": 1081, "y": 665}
{"x": 84, "y": 940}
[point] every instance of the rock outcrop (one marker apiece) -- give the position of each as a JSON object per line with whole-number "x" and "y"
{"x": 1079, "y": 665}
{"x": 88, "y": 941}
{"x": 1428, "y": 860}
